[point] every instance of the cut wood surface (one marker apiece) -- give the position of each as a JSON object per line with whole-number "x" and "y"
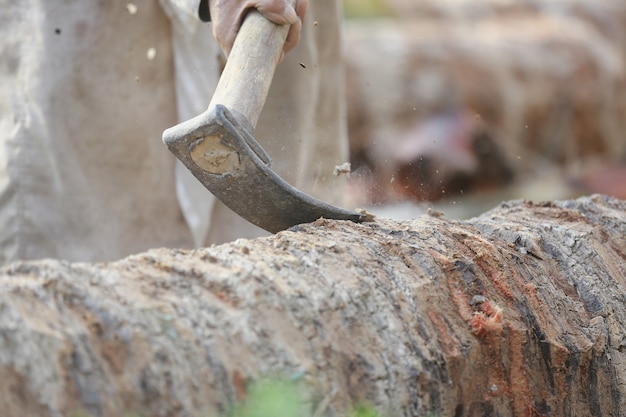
{"x": 519, "y": 312}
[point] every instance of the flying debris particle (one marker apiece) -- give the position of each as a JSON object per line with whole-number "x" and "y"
{"x": 344, "y": 168}
{"x": 131, "y": 7}
{"x": 151, "y": 53}
{"x": 434, "y": 213}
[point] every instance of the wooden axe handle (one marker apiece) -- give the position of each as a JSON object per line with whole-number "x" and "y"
{"x": 247, "y": 76}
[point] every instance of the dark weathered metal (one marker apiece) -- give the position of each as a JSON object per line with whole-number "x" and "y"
{"x": 224, "y": 156}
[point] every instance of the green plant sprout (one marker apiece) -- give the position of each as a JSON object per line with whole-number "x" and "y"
{"x": 283, "y": 398}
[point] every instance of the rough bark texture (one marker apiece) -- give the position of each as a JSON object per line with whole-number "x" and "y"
{"x": 519, "y": 312}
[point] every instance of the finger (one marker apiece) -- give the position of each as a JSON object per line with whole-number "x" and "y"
{"x": 225, "y": 39}
{"x": 293, "y": 37}
{"x": 279, "y": 12}
{"x": 227, "y": 16}
{"x": 301, "y": 8}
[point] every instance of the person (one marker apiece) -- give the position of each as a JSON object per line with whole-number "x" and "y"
{"x": 86, "y": 89}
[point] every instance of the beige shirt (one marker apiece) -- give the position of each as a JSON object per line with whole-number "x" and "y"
{"x": 86, "y": 89}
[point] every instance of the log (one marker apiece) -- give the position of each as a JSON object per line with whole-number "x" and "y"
{"x": 518, "y": 312}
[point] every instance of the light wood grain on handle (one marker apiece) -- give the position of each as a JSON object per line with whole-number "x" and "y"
{"x": 247, "y": 76}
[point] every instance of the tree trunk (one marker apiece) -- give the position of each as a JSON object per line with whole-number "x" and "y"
{"x": 519, "y": 312}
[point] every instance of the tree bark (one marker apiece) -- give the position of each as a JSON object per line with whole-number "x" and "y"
{"x": 518, "y": 312}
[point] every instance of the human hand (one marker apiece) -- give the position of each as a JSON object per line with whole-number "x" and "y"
{"x": 227, "y": 16}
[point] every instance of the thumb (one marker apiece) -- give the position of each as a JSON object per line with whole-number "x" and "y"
{"x": 278, "y": 11}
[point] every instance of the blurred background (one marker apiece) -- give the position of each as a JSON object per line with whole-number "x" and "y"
{"x": 458, "y": 105}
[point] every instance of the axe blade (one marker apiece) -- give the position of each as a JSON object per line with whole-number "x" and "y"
{"x": 222, "y": 154}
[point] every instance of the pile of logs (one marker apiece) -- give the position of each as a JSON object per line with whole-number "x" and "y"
{"x": 503, "y": 88}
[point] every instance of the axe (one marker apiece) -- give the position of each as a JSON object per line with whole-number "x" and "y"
{"x": 219, "y": 148}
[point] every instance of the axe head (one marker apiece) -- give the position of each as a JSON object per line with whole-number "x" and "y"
{"x": 218, "y": 148}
